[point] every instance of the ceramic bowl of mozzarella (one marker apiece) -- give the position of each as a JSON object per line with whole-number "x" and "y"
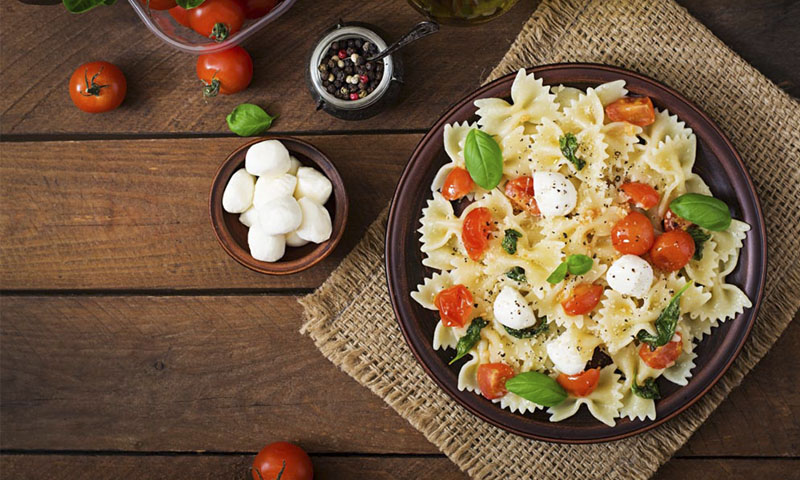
{"x": 278, "y": 205}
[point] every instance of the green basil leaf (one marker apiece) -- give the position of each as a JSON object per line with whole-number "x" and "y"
{"x": 509, "y": 242}
{"x": 470, "y": 338}
{"x": 538, "y": 388}
{"x": 483, "y": 159}
{"x": 560, "y": 273}
{"x": 579, "y": 264}
{"x": 647, "y": 390}
{"x": 80, "y": 6}
{"x": 706, "y": 211}
{"x": 699, "y": 237}
{"x": 569, "y": 146}
{"x": 666, "y": 322}
{"x": 189, "y": 3}
{"x": 529, "y": 332}
{"x": 518, "y": 274}
{"x": 248, "y": 120}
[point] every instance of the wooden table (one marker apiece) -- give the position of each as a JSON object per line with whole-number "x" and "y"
{"x": 133, "y": 347}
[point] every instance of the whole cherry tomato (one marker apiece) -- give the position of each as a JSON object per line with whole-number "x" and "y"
{"x": 97, "y": 87}
{"x": 641, "y": 194}
{"x": 476, "y": 232}
{"x": 282, "y": 460}
{"x": 181, "y": 15}
{"x": 455, "y": 305}
{"x": 636, "y": 110}
{"x": 633, "y": 234}
{"x": 158, "y": 4}
{"x": 663, "y": 356}
{"x": 257, "y": 8}
{"x": 583, "y": 298}
{"x": 672, "y": 250}
{"x": 217, "y": 19}
{"x": 673, "y": 222}
{"x": 225, "y": 72}
{"x": 520, "y": 192}
{"x": 582, "y": 384}
{"x": 457, "y": 184}
{"x": 492, "y": 378}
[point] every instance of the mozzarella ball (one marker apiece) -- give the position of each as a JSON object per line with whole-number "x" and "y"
{"x": 511, "y": 309}
{"x": 270, "y": 188}
{"x": 294, "y": 164}
{"x": 279, "y": 216}
{"x": 313, "y": 185}
{"x": 630, "y": 275}
{"x": 570, "y": 351}
{"x": 238, "y": 194}
{"x": 265, "y": 247}
{"x": 316, "y": 226}
{"x": 294, "y": 241}
{"x": 268, "y": 158}
{"x": 554, "y": 193}
{"x": 249, "y": 217}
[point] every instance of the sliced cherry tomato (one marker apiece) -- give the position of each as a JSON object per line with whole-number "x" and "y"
{"x": 282, "y": 460}
{"x": 663, "y": 356}
{"x": 455, "y": 305}
{"x": 673, "y": 222}
{"x": 457, "y": 184}
{"x": 158, "y": 4}
{"x": 181, "y": 15}
{"x": 520, "y": 192}
{"x": 492, "y": 379}
{"x": 476, "y": 232}
{"x": 217, "y": 19}
{"x": 633, "y": 234}
{"x": 257, "y": 8}
{"x": 636, "y": 110}
{"x": 582, "y": 384}
{"x": 225, "y": 72}
{"x": 672, "y": 250}
{"x": 583, "y": 298}
{"x": 641, "y": 194}
{"x": 97, "y": 87}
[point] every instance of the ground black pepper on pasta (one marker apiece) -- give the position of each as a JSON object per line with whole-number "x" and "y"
{"x": 345, "y": 71}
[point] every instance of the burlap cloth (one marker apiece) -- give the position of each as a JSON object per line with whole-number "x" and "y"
{"x": 351, "y": 320}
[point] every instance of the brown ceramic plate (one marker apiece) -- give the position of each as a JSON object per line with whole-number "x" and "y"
{"x": 718, "y": 164}
{"x": 232, "y": 234}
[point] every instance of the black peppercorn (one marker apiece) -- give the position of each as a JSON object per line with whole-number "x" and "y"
{"x": 358, "y": 43}
{"x": 335, "y": 45}
{"x": 351, "y": 43}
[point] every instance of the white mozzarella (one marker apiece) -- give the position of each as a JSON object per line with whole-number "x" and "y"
{"x": 630, "y": 275}
{"x": 554, "y": 193}
{"x": 268, "y": 158}
{"x": 263, "y": 246}
{"x": 570, "y": 351}
{"x": 294, "y": 241}
{"x": 238, "y": 194}
{"x": 294, "y": 164}
{"x": 511, "y": 309}
{"x": 279, "y": 216}
{"x": 316, "y": 226}
{"x": 249, "y": 217}
{"x": 313, "y": 185}
{"x": 270, "y": 188}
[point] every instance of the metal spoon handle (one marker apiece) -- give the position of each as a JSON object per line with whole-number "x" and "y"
{"x": 422, "y": 29}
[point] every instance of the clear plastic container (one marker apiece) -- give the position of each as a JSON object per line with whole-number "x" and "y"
{"x": 161, "y": 23}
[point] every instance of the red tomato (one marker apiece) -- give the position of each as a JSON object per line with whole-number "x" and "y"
{"x": 582, "y": 384}
{"x": 181, "y": 15}
{"x": 663, "y": 356}
{"x": 457, "y": 184}
{"x": 492, "y": 379}
{"x": 636, "y": 110}
{"x": 158, "y": 4}
{"x": 225, "y": 72}
{"x": 674, "y": 222}
{"x": 583, "y": 298}
{"x": 672, "y": 250}
{"x": 641, "y": 194}
{"x": 257, "y": 8}
{"x": 217, "y": 19}
{"x": 97, "y": 87}
{"x": 633, "y": 234}
{"x": 455, "y": 305}
{"x": 282, "y": 460}
{"x": 476, "y": 232}
{"x": 520, "y": 192}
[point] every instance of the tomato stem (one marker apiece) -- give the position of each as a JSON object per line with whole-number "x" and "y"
{"x": 93, "y": 89}
{"x": 280, "y": 474}
{"x": 211, "y": 89}
{"x": 219, "y": 32}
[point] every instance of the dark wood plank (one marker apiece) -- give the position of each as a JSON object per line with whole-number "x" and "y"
{"x": 134, "y": 213}
{"x": 42, "y": 46}
{"x": 230, "y": 373}
{"x": 729, "y": 468}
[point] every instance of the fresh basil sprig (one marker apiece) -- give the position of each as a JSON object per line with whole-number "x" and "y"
{"x": 509, "y": 242}
{"x": 569, "y": 146}
{"x": 575, "y": 264}
{"x": 469, "y": 339}
{"x": 483, "y": 159}
{"x": 708, "y": 212}
{"x": 80, "y": 6}
{"x": 529, "y": 332}
{"x": 517, "y": 273}
{"x": 649, "y": 389}
{"x": 248, "y": 120}
{"x": 699, "y": 237}
{"x": 538, "y": 388}
{"x": 666, "y": 322}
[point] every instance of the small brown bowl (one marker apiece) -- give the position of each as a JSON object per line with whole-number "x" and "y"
{"x": 232, "y": 234}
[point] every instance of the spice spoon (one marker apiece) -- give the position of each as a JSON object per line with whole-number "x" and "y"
{"x": 422, "y": 29}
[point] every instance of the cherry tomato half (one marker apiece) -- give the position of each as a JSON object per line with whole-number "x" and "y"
{"x": 225, "y": 72}
{"x": 673, "y": 222}
{"x": 476, "y": 232}
{"x": 636, "y": 110}
{"x": 492, "y": 379}
{"x": 217, "y": 19}
{"x": 672, "y": 250}
{"x": 457, "y": 184}
{"x": 520, "y": 192}
{"x": 181, "y": 15}
{"x": 641, "y": 194}
{"x": 455, "y": 305}
{"x": 633, "y": 234}
{"x": 282, "y": 460}
{"x": 158, "y": 4}
{"x": 97, "y": 87}
{"x": 583, "y": 298}
{"x": 257, "y": 8}
{"x": 663, "y": 356}
{"x": 582, "y": 384}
